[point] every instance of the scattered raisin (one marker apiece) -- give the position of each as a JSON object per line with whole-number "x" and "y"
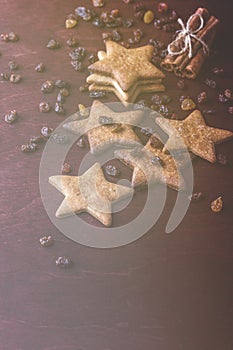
{"x": 97, "y": 94}
{"x": 60, "y": 84}
{"x": 158, "y": 24}
{"x": 92, "y": 58}
{"x": 141, "y": 104}
{"x": 165, "y": 99}
{"x": 78, "y": 53}
{"x": 37, "y": 139}
{"x": 84, "y": 13}
{"x": 98, "y": 3}
{"x": 162, "y": 7}
{"x": 217, "y": 205}
{"x": 29, "y": 147}
{"x": 127, "y": 23}
{"x": 228, "y": 93}
{"x": 60, "y": 98}
{"x": 106, "y": 36}
{"x": 182, "y": 98}
{"x": 46, "y": 241}
{"x": 63, "y": 262}
{"x": 58, "y": 108}
{"x": 44, "y": 107}
{"x": 47, "y": 86}
{"x": 111, "y": 170}
{"x": 13, "y": 65}
{"x": 81, "y": 143}
{"x": 148, "y": 17}
{"x": 196, "y": 196}
{"x": 164, "y": 111}
{"x": 13, "y": 37}
{"x": 11, "y": 117}
{"x": 97, "y": 22}
{"x": 202, "y": 97}
{"x": 187, "y": 104}
{"x": 15, "y": 78}
{"x": 222, "y": 98}
{"x": 9, "y": 37}
{"x": 72, "y": 42}
{"x": 53, "y": 44}
{"x": 46, "y": 131}
{"x": 40, "y": 67}
{"x": 83, "y": 110}
{"x": 156, "y": 99}
{"x": 116, "y": 35}
{"x": 77, "y": 65}
{"x": 66, "y": 168}
{"x": 70, "y": 23}
{"x": 5, "y": 76}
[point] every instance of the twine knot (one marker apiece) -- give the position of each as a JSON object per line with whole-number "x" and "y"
{"x": 186, "y": 34}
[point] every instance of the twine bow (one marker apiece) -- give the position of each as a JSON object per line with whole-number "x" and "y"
{"x": 186, "y": 34}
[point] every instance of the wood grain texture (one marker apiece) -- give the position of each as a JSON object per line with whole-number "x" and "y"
{"x": 161, "y": 292}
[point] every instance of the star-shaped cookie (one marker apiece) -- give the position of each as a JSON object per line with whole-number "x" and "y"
{"x": 98, "y": 81}
{"x": 90, "y": 193}
{"x": 195, "y": 134}
{"x": 127, "y": 66}
{"x": 132, "y": 94}
{"x": 150, "y": 165}
{"x": 117, "y": 131}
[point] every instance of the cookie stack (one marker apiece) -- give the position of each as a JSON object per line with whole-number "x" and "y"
{"x": 125, "y": 72}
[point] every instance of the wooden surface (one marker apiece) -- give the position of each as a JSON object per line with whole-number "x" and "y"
{"x": 163, "y": 292}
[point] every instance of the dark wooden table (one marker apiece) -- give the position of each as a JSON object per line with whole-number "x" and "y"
{"x": 165, "y": 292}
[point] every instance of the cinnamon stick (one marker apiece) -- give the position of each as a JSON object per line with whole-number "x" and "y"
{"x": 168, "y": 62}
{"x": 183, "y": 60}
{"x": 193, "y": 68}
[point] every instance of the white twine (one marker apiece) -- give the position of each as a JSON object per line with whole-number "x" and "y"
{"x": 186, "y": 33}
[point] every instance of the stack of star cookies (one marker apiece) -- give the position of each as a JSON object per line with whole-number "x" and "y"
{"x": 125, "y": 72}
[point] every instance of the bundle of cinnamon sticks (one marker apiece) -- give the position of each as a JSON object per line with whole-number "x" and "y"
{"x": 182, "y": 64}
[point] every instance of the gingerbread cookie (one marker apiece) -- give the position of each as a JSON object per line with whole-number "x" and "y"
{"x": 151, "y": 165}
{"x": 127, "y": 66}
{"x": 132, "y": 97}
{"x": 104, "y": 127}
{"x": 105, "y": 81}
{"x": 90, "y": 193}
{"x": 198, "y": 137}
